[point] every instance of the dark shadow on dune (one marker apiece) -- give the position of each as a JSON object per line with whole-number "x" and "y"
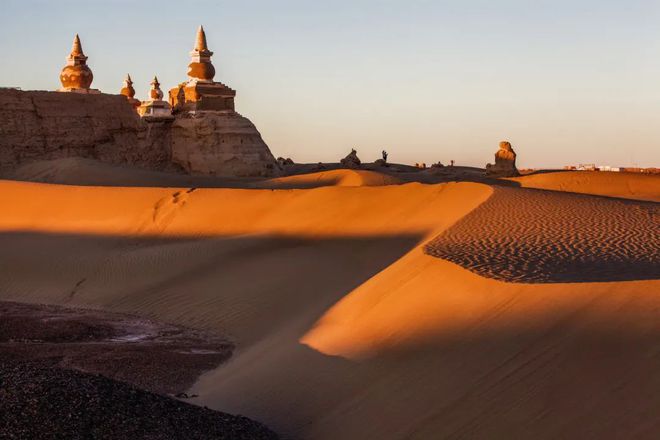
{"x": 180, "y": 275}
{"x": 252, "y": 285}
{"x": 535, "y": 236}
{"x": 566, "y": 376}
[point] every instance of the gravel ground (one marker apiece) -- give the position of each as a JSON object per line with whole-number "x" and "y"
{"x": 70, "y": 373}
{"x": 154, "y": 356}
{"x": 43, "y": 402}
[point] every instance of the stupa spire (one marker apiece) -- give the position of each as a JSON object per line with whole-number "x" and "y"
{"x": 200, "y": 42}
{"x": 76, "y": 48}
{"x": 200, "y": 67}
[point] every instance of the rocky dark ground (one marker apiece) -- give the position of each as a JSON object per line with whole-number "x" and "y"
{"x": 83, "y": 374}
{"x": 155, "y": 356}
{"x": 42, "y": 402}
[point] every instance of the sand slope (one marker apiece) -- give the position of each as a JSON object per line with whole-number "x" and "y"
{"x": 625, "y": 185}
{"x": 543, "y": 237}
{"x": 344, "y": 327}
{"x": 341, "y": 177}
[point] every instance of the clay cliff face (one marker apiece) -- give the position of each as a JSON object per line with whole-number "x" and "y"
{"x": 38, "y": 125}
{"x": 220, "y": 144}
{"x": 52, "y": 125}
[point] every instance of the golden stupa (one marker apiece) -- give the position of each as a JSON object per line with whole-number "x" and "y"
{"x": 76, "y": 76}
{"x": 200, "y": 92}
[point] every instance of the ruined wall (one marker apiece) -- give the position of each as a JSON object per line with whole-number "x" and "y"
{"x": 37, "y": 125}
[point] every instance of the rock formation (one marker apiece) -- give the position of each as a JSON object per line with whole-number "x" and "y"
{"x": 208, "y": 136}
{"x": 50, "y": 125}
{"x": 220, "y": 144}
{"x": 505, "y": 162}
{"x": 352, "y": 160}
{"x": 282, "y": 162}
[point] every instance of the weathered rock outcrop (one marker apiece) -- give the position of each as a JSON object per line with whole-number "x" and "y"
{"x": 351, "y": 160}
{"x": 37, "y": 125}
{"x": 51, "y": 125}
{"x": 220, "y": 144}
{"x": 505, "y": 162}
{"x": 282, "y": 162}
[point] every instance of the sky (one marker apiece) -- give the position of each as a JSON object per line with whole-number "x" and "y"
{"x": 565, "y": 81}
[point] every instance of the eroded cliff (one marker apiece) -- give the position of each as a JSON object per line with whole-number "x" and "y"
{"x": 221, "y": 144}
{"x": 39, "y": 125}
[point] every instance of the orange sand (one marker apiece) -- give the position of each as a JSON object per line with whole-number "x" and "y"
{"x": 603, "y": 183}
{"x": 344, "y": 327}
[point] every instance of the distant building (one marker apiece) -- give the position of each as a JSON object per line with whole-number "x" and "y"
{"x": 586, "y": 167}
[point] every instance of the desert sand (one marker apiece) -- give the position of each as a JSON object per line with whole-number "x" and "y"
{"x": 368, "y": 308}
{"x": 624, "y": 185}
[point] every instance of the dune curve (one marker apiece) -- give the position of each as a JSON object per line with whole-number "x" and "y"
{"x": 611, "y": 184}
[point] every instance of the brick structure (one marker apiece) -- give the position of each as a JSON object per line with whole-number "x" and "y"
{"x": 200, "y": 92}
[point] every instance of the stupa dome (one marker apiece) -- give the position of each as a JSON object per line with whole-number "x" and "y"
{"x": 76, "y": 74}
{"x": 127, "y": 89}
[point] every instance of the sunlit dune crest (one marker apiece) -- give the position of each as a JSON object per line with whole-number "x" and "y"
{"x": 625, "y": 185}
{"x": 325, "y": 211}
{"x": 340, "y": 177}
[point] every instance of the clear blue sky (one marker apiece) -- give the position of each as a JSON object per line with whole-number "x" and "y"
{"x": 566, "y": 81}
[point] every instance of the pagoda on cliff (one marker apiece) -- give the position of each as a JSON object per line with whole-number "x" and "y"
{"x": 200, "y": 92}
{"x": 76, "y": 76}
{"x": 155, "y": 108}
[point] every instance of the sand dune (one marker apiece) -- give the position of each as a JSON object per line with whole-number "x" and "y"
{"x": 341, "y": 177}
{"x": 625, "y": 185}
{"x": 343, "y": 326}
{"x": 88, "y": 172}
{"x": 539, "y": 237}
